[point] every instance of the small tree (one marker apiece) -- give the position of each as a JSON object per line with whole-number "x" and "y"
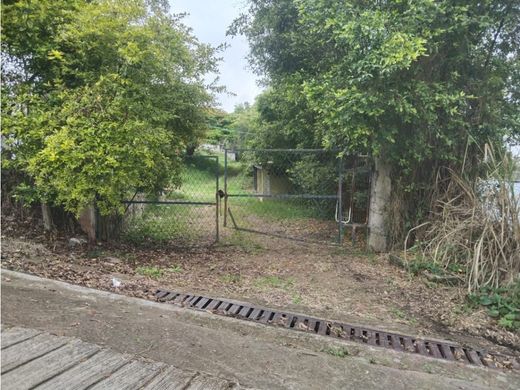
{"x": 99, "y": 97}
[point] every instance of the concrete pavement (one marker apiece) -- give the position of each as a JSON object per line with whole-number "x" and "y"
{"x": 240, "y": 352}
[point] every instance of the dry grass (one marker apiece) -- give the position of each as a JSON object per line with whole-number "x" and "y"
{"x": 476, "y": 225}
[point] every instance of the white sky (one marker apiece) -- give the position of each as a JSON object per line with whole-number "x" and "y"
{"x": 209, "y": 20}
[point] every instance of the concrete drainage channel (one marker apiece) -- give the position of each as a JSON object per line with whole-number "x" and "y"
{"x": 398, "y": 342}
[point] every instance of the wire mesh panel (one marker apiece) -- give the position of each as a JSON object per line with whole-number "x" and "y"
{"x": 183, "y": 214}
{"x": 287, "y": 193}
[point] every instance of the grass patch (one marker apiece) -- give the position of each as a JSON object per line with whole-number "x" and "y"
{"x": 279, "y": 209}
{"x": 274, "y": 282}
{"x": 175, "y": 268}
{"x": 296, "y": 299}
{"x": 340, "y": 352}
{"x": 152, "y": 272}
{"x": 398, "y": 313}
{"x": 245, "y": 242}
{"x": 231, "y": 278}
{"x": 161, "y": 224}
{"x": 403, "y": 316}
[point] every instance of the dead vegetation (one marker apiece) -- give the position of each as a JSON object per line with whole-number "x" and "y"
{"x": 475, "y": 227}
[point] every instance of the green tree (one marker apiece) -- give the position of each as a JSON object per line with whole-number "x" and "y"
{"x": 417, "y": 84}
{"x": 219, "y": 122}
{"x": 99, "y": 97}
{"x": 244, "y": 125}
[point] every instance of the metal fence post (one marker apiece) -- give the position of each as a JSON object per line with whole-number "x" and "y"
{"x": 216, "y": 200}
{"x": 225, "y": 187}
{"x": 340, "y": 199}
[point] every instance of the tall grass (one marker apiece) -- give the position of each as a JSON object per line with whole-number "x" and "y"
{"x": 476, "y": 225}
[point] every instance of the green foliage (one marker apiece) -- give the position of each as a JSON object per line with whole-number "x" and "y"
{"x": 160, "y": 224}
{"x": 99, "y": 98}
{"x": 175, "y": 269}
{"x": 421, "y": 84}
{"x": 152, "y": 272}
{"x": 274, "y": 281}
{"x": 287, "y": 209}
{"x": 296, "y": 298}
{"x": 501, "y": 303}
{"x": 392, "y": 77}
{"x": 314, "y": 174}
{"x": 156, "y": 272}
{"x": 340, "y": 352}
{"x": 418, "y": 265}
{"x": 231, "y": 278}
{"x": 219, "y": 127}
{"x": 232, "y": 130}
{"x": 244, "y": 125}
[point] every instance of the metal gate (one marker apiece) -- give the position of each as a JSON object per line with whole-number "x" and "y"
{"x": 185, "y": 213}
{"x": 289, "y": 193}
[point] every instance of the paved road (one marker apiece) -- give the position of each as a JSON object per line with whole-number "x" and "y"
{"x": 243, "y": 352}
{"x": 33, "y": 359}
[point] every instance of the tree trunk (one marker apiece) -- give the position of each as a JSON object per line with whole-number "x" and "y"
{"x": 48, "y": 225}
{"x": 87, "y": 221}
{"x": 379, "y": 202}
{"x": 109, "y": 226}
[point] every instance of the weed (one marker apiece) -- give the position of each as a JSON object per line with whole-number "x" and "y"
{"x": 412, "y": 321}
{"x": 296, "y": 299}
{"x": 175, "y": 268}
{"x": 152, "y": 272}
{"x": 428, "y": 368}
{"x": 398, "y": 313}
{"x": 403, "y": 316}
{"x": 501, "y": 303}
{"x": 372, "y": 361}
{"x": 338, "y": 352}
{"x": 274, "y": 282}
{"x": 417, "y": 266}
{"x": 230, "y": 278}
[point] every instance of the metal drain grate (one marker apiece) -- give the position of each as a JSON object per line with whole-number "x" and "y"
{"x": 431, "y": 348}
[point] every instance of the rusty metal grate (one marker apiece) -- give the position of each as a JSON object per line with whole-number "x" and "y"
{"x": 431, "y": 348}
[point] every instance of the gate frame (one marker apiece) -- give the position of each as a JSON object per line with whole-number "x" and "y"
{"x": 338, "y": 196}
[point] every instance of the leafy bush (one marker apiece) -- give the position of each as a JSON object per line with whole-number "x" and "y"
{"x": 501, "y": 303}
{"x": 99, "y": 98}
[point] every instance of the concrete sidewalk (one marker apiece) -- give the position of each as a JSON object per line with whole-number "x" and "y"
{"x": 238, "y": 351}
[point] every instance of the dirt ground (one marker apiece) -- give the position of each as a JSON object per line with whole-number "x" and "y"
{"x": 342, "y": 283}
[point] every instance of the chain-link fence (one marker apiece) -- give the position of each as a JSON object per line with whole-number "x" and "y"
{"x": 287, "y": 193}
{"x": 185, "y": 214}
{"x": 299, "y": 194}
